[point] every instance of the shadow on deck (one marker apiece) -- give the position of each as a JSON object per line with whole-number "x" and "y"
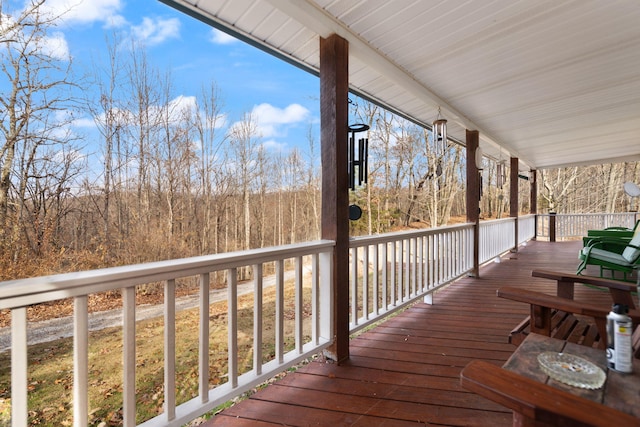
{"x": 406, "y": 370}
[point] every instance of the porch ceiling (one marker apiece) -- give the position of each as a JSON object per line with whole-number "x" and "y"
{"x": 552, "y": 83}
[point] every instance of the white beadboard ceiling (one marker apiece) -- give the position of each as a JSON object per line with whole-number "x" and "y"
{"x": 554, "y": 83}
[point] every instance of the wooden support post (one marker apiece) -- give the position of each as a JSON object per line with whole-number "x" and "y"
{"x": 334, "y": 116}
{"x": 533, "y": 199}
{"x": 533, "y": 181}
{"x": 473, "y": 196}
{"x": 514, "y": 207}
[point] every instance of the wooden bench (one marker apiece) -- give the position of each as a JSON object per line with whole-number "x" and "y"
{"x": 562, "y": 317}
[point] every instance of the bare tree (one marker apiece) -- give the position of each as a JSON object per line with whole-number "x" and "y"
{"x": 214, "y": 181}
{"x": 313, "y": 185}
{"x": 556, "y": 187}
{"x": 416, "y": 171}
{"x": 46, "y": 190}
{"x": 110, "y": 117}
{"x": 167, "y": 172}
{"x": 247, "y": 153}
{"x": 369, "y": 114}
{"x": 33, "y": 105}
{"x": 294, "y": 166}
{"x": 144, "y": 82}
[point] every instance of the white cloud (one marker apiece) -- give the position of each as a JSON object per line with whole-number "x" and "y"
{"x": 115, "y": 21}
{"x": 55, "y": 46}
{"x": 267, "y": 113}
{"x": 272, "y": 121}
{"x": 71, "y": 12}
{"x": 273, "y": 145}
{"x": 176, "y": 111}
{"x": 87, "y": 11}
{"x": 220, "y": 37}
{"x": 155, "y": 31}
{"x": 218, "y": 122}
{"x": 7, "y": 29}
{"x": 84, "y": 122}
{"x": 76, "y": 156}
{"x": 181, "y": 106}
{"x": 63, "y": 116}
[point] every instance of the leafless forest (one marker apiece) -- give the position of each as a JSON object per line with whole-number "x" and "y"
{"x": 171, "y": 184}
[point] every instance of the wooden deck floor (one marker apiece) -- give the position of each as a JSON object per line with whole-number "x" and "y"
{"x": 406, "y": 371}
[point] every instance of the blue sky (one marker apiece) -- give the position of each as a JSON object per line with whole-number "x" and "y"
{"x": 282, "y": 98}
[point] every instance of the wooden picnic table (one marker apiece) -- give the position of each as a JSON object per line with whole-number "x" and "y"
{"x": 620, "y": 391}
{"x": 537, "y": 401}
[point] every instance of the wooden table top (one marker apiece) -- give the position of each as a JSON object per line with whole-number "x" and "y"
{"x": 620, "y": 391}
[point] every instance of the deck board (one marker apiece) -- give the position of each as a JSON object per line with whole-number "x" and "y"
{"x": 406, "y": 370}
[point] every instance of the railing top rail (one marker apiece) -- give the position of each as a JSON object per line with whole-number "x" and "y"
{"x": 407, "y": 234}
{"x": 16, "y": 293}
{"x": 591, "y": 214}
{"x": 526, "y": 216}
{"x": 494, "y": 221}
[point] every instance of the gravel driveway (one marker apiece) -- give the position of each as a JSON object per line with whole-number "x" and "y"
{"x": 53, "y": 329}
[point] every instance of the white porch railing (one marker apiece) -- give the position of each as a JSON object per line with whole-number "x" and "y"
{"x": 18, "y": 295}
{"x": 496, "y": 237}
{"x": 387, "y": 273}
{"x": 526, "y": 228}
{"x": 395, "y": 269}
{"x": 568, "y": 226}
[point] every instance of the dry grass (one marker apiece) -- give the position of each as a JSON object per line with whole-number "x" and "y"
{"x": 51, "y": 366}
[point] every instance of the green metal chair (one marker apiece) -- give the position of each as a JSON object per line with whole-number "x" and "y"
{"x": 619, "y": 255}
{"x": 613, "y": 239}
{"x": 611, "y": 232}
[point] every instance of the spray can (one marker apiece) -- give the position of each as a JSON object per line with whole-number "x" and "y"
{"x": 619, "y": 327}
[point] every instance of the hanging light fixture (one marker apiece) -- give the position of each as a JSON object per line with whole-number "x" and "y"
{"x": 439, "y": 131}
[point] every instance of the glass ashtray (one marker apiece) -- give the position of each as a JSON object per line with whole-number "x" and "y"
{"x": 572, "y": 370}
